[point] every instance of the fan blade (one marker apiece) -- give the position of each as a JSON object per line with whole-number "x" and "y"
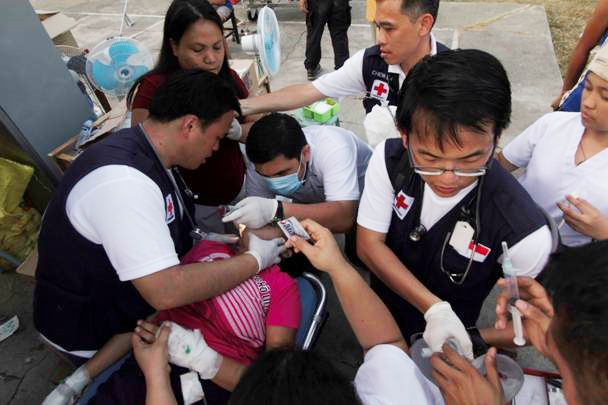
{"x": 120, "y": 52}
{"x": 103, "y": 75}
{"x": 139, "y": 71}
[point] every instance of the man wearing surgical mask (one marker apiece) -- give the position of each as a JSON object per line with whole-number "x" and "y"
{"x": 316, "y": 172}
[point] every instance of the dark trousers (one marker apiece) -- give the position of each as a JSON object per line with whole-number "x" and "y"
{"x": 127, "y": 386}
{"x": 334, "y": 13}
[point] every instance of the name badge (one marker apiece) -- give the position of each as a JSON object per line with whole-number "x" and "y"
{"x": 462, "y": 235}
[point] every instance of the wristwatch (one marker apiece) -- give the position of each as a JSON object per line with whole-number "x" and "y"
{"x": 279, "y": 215}
{"x": 479, "y": 345}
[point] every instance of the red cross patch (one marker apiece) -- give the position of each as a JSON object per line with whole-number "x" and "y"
{"x": 170, "y": 209}
{"x": 380, "y": 90}
{"x": 402, "y": 204}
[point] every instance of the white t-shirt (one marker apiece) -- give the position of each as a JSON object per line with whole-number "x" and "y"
{"x": 388, "y": 376}
{"x": 528, "y": 256}
{"x": 122, "y": 209}
{"x": 338, "y": 160}
{"x": 348, "y": 80}
{"x": 547, "y": 149}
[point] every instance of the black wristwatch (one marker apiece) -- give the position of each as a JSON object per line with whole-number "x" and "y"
{"x": 279, "y": 215}
{"x": 479, "y": 345}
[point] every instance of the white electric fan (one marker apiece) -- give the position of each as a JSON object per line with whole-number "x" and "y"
{"x": 266, "y": 44}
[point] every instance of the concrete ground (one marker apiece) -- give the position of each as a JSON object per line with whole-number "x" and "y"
{"x": 517, "y": 34}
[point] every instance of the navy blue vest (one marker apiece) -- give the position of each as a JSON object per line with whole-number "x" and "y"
{"x": 79, "y": 302}
{"x": 507, "y": 213}
{"x": 375, "y": 68}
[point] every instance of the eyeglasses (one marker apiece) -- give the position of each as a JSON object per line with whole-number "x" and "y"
{"x": 438, "y": 171}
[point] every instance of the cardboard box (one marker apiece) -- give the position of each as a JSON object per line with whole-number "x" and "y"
{"x": 248, "y": 72}
{"x": 58, "y": 26}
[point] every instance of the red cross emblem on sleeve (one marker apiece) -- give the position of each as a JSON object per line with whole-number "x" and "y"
{"x": 379, "y": 90}
{"x": 402, "y": 204}
{"x": 170, "y": 209}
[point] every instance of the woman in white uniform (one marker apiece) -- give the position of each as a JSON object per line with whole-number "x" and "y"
{"x": 566, "y": 159}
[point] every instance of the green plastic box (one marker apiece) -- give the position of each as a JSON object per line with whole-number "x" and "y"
{"x": 321, "y": 111}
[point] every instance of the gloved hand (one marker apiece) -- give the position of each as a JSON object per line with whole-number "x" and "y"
{"x": 188, "y": 348}
{"x": 68, "y": 391}
{"x": 235, "y": 131}
{"x": 442, "y": 323}
{"x": 253, "y": 212}
{"x": 266, "y": 252}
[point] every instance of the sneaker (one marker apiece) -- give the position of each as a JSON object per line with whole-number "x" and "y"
{"x": 314, "y": 73}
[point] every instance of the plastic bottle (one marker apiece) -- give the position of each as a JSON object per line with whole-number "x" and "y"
{"x": 85, "y": 133}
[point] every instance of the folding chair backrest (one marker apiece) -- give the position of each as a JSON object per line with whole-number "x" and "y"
{"x": 554, "y": 229}
{"x": 313, "y": 298}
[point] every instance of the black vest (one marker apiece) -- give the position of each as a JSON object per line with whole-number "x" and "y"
{"x": 79, "y": 302}
{"x": 507, "y": 213}
{"x": 375, "y": 68}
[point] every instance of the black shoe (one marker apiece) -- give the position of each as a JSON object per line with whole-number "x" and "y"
{"x": 314, "y": 73}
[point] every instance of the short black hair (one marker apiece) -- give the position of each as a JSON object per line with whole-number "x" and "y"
{"x": 197, "y": 92}
{"x": 293, "y": 377}
{"x": 456, "y": 88}
{"x": 577, "y": 281}
{"x": 273, "y": 135}
{"x": 415, "y": 8}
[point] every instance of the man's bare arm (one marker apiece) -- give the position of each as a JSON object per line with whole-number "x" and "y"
{"x": 367, "y": 315}
{"x": 184, "y": 284}
{"x": 372, "y": 249}
{"x": 338, "y": 216}
{"x": 508, "y": 166}
{"x": 287, "y": 98}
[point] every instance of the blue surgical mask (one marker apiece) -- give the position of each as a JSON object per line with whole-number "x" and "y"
{"x": 285, "y": 185}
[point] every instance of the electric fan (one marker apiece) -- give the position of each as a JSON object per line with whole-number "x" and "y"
{"x": 114, "y": 65}
{"x": 266, "y": 44}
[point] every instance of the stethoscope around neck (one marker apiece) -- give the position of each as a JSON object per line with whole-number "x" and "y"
{"x": 473, "y": 218}
{"x": 196, "y": 233}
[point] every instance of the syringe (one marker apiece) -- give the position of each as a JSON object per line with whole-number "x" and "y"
{"x": 513, "y": 291}
{"x": 574, "y": 195}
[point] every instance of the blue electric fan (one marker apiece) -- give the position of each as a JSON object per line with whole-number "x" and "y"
{"x": 115, "y": 64}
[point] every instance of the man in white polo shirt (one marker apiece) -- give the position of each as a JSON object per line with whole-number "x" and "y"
{"x": 404, "y": 37}
{"x": 316, "y": 172}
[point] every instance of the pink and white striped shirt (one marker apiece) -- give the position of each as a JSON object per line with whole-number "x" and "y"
{"x": 234, "y": 323}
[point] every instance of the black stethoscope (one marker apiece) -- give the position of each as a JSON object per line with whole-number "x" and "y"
{"x": 196, "y": 233}
{"x": 472, "y": 218}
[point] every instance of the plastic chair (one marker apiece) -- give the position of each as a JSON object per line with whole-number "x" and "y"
{"x": 313, "y": 299}
{"x": 554, "y": 229}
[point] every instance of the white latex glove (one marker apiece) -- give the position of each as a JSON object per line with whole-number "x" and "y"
{"x": 253, "y": 212}
{"x": 69, "y": 391}
{"x": 235, "y": 131}
{"x": 188, "y": 348}
{"x": 442, "y": 323}
{"x": 379, "y": 125}
{"x": 266, "y": 252}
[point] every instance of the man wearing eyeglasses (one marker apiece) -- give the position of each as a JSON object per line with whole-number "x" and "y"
{"x": 436, "y": 206}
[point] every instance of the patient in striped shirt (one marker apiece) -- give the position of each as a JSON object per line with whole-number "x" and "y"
{"x": 262, "y": 313}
